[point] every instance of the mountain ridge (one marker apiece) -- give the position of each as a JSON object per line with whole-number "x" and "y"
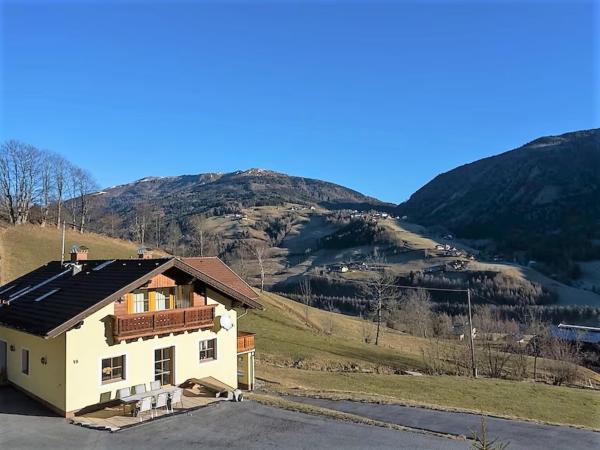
{"x": 547, "y": 187}
{"x": 262, "y": 183}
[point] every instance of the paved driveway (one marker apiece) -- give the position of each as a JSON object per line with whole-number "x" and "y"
{"x": 248, "y": 425}
{"x": 521, "y": 435}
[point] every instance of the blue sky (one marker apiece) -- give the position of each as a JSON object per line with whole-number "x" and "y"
{"x": 377, "y": 96}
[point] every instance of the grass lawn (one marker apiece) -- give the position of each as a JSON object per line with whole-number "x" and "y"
{"x": 27, "y": 247}
{"x": 326, "y": 340}
{"x": 554, "y": 404}
{"x": 325, "y": 354}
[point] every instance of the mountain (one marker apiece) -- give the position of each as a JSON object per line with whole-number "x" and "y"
{"x": 230, "y": 192}
{"x": 542, "y": 198}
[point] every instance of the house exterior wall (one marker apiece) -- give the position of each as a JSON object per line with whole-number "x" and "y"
{"x": 45, "y": 381}
{"x": 88, "y": 345}
{"x": 246, "y": 371}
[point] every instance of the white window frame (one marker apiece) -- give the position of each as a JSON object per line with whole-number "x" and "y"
{"x": 24, "y": 349}
{"x": 145, "y": 301}
{"x": 165, "y": 299}
{"x": 173, "y": 361}
{"x": 214, "y": 349}
{"x": 123, "y": 370}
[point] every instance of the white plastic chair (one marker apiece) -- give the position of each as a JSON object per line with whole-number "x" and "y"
{"x": 155, "y": 385}
{"x": 161, "y": 401}
{"x": 124, "y": 392}
{"x": 139, "y": 388}
{"x": 176, "y": 398}
{"x": 145, "y": 405}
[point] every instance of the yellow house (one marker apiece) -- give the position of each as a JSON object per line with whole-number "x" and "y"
{"x": 72, "y": 335}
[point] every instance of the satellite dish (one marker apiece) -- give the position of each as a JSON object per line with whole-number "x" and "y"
{"x": 226, "y": 322}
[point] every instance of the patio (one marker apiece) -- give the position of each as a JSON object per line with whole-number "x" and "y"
{"x": 113, "y": 418}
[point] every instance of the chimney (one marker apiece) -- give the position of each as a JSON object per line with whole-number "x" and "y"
{"x": 143, "y": 253}
{"x": 79, "y": 253}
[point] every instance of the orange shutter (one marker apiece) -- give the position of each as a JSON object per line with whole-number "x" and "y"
{"x": 129, "y": 300}
{"x": 171, "y": 299}
{"x": 152, "y": 301}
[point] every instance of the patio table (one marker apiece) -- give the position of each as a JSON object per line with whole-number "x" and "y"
{"x": 137, "y": 397}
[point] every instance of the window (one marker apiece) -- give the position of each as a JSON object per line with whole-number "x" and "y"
{"x": 25, "y": 361}
{"x": 182, "y": 296}
{"x": 140, "y": 301}
{"x": 163, "y": 365}
{"x": 162, "y": 299}
{"x": 113, "y": 369}
{"x": 208, "y": 350}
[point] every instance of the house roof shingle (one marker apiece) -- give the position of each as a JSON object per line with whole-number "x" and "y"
{"x": 51, "y": 299}
{"x": 217, "y": 269}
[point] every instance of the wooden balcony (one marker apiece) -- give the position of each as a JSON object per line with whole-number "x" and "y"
{"x": 133, "y": 326}
{"x": 245, "y": 341}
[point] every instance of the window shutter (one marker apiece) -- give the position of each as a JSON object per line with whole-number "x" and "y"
{"x": 171, "y": 299}
{"x": 129, "y": 300}
{"x": 152, "y": 301}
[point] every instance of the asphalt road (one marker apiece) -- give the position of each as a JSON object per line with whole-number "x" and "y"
{"x": 521, "y": 435}
{"x": 248, "y": 425}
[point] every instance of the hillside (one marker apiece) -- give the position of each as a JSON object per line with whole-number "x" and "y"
{"x": 325, "y": 354}
{"x": 26, "y": 247}
{"x": 313, "y": 352}
{"x": 542, "y": 199}
{"x": 228, "y": 192}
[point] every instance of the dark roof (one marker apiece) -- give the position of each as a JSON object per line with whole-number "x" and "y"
{"x": 218, "y": 270}
{"x": 51, "y": 300}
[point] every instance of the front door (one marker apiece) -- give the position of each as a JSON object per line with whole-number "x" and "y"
{"x": 163, "y": 365}
{"x": 3, "y": 368}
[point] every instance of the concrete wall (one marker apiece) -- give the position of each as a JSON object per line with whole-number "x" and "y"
{"x": 87, "y": 346}
{"x": 45, "y": 381}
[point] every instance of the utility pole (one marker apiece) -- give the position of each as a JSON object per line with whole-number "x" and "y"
{"x": 474, "y": 367}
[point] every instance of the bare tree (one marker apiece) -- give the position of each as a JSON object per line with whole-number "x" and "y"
{"x": 367, "y": 329}
{"x": 45, "y": 185}
{"x": 83, "y": 185}
{"x": 198, "y": 233}
{"x": 381, "y": 290}
{"x": 239, "y": 263}
{"x": 415, "y": 310}
{"x": 19, "y": 166}
{"x": 305, "y": 294}
{"x": 520, "y": 364}
{"x": 158, "y": 221}
{"x": 329, "y": 306}
{"x": 434, "y": 355}
{"x": 496, "y": 359}
{"x": 540, "y": 333}
{"x": 141, "y": 222}
{"x": 173, "y": 236}
{"x": 258, "y": 250}
{"x": 60, "y": 171}
{"x": 565, "y": 356}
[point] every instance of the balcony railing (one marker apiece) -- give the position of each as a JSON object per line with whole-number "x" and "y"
{"x": 132, "y": 326}
{"x": 245, "y": 341}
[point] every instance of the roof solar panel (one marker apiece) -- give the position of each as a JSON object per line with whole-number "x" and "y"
{"x": 47, "y": 294}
